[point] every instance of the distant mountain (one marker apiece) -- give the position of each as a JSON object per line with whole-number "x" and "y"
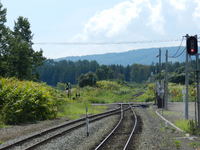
{"x": 140, "y": 56}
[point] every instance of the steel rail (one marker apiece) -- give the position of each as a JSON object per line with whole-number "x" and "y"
{"x": 115, "y": 128}
{"x": 133, "y": 130}
{"x": 105, "y": 114}
{"x": 66, "y": 131}
{"x": 109, "y": 135}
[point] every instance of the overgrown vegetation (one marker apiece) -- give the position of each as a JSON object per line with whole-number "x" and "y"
{"x": 188, "y": 126}
{"x": 74, "y": 110}
{"x": 177, "y": 144}
{"x": 176, "y": 92}
{"x": 28, "y": 101}
{"x": 108, "y": 92}
{"x": 148, "y": 94}
{"x": 25, "y": 101}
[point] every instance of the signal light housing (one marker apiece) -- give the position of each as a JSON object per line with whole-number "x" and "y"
{"x": 192, "y": 45}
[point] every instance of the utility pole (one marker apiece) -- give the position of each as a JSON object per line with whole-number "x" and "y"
{"x": 186, "y": 83}
{"x": 198, "y": 92}
{"x": 166, "y": 80}
{"x": 160, "y": 67}
{"x": 161, "y": 90}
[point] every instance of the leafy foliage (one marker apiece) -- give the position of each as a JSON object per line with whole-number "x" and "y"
{"x": 25, "y": 101}
{"x": 17, "y": 57}
{"x": 148, "y": 94}
{"x": 65, "y": 71}
{"x": 88, "y": 79}
{"x": 188, "y": 126}
{"x": 108, "y": 92}
{"x": 176, "y": 92}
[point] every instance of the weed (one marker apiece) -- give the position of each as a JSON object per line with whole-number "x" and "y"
{"x": 195, "y": 144}
{"x": 75, "y": 110}
{"x": 188, "y": 126}
{"x": 182, "y": 124}
{"x": 177, "y": 144}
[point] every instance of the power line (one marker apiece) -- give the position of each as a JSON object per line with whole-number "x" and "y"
{"x": 174, "y": 56}
{"x": 105, "y": 43}
{"x": 179, "y": 54}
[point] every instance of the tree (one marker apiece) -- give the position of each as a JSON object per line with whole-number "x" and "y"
{"x": 88, "y": 79}
{"x": 23, "y": 60}
{"x": 4, "y": 37}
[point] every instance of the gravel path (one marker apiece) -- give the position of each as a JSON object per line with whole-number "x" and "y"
{"x": 156, "y": 135}
{"x": 77, "y": 140}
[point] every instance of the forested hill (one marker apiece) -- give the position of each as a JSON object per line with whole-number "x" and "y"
{"x": 140, "y": 56}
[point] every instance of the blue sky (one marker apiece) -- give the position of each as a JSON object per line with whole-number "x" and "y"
{"x": 105, "y": 21}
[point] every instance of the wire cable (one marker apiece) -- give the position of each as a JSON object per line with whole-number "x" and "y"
{"x": 174, "y": 56}
{"x": 179, "y": 54}
{"x": 105, "y": 43}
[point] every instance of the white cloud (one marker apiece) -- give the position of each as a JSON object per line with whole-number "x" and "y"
{"x": 156, "y": 19}
{"x": 111, "y": 22}
{"x": 114, "y": 21}
{"x": 196, "y": 13}
{"x": 178, "y": 4}
{"x": 139, "y": 18}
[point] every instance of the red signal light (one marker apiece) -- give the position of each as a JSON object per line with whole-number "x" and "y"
{"x": 192, "y": 45}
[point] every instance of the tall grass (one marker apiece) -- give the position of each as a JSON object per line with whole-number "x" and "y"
{"x": 74, "y": 110}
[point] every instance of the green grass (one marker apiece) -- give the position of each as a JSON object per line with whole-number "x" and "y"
{"x": 188, "y": 126}
{"x": 195, "y": 144}
{"x": 182, "y": 124}
{"x": 44, "y": 102}
{"x": 177, "y": 144}
{"x": 75, "y": 110}
{"x": 109, "y": 92}
{"x": 1, "y": 142}
{"x": 3, "y": 125}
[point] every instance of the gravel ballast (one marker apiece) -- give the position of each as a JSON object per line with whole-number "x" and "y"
{"x": 156, "y": 135}
{"x": 120, "y": 136}
{"x": 78, "y": 140}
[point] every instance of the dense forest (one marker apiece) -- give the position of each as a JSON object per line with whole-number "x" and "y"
{"x": 64, "y": 71}
{"x": 53, "y": 72}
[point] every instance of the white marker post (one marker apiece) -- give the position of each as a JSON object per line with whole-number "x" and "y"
{"x": 87, "y": 121}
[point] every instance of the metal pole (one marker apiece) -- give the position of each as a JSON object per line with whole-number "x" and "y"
{"x": 186, "y": 83}
{"x": 87, "y": 121}
{"x": 160, "y": 66}
{"x": 198, "y": 92}
{"x": 166, "y": 80}
{"x": 161, "y": 88}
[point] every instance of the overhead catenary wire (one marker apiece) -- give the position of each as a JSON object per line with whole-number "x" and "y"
{"x": 179, "y": 54}
{"x": 106, "y": 43}
{"x": 174, "y": 56}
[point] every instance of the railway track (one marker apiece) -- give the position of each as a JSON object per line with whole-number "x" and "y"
{"x": 119, "y": 138}
{"x": 45, "y": 136}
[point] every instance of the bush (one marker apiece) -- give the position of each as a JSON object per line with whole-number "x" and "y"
{"x": 88, "y": 79}
{"x": 108, "y": 85}
{"x": 25, "y": 101}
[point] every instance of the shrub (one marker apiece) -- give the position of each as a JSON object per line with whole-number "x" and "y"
{"x": 88, "y": 79}
{"x": 25, "y": 101}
